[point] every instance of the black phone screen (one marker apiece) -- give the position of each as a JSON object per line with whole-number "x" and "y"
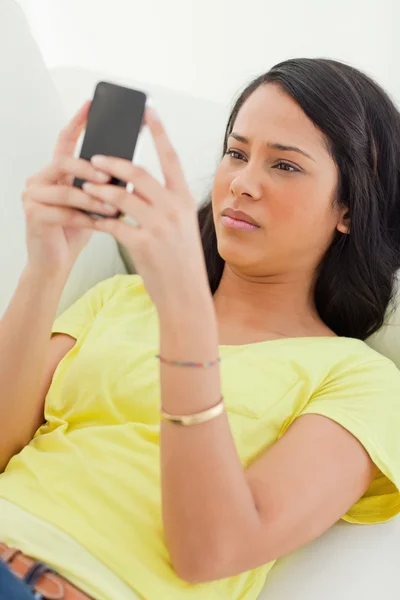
{"x": 113, "y": 125}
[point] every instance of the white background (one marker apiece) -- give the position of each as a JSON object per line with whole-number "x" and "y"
{"x": 213, "y": 48}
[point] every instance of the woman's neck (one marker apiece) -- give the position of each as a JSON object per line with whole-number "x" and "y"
{"x": 276, "y": 306}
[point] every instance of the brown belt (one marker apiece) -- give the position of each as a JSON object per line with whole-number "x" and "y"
{"x": 41, "y": 578}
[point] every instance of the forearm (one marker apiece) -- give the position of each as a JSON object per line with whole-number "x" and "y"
{"x": 25, "y": 331}
{"x": 207, "y": 503}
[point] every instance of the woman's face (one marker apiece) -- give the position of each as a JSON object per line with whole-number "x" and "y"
{"x": 289, "y": 195}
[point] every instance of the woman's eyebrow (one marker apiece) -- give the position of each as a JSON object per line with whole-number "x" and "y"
{"x": 272, "y": 145}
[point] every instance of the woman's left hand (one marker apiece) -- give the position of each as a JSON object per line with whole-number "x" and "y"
{"x": 166, "y": 244}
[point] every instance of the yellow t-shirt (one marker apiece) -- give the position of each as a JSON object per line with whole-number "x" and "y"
{"x": 92, "y": 469}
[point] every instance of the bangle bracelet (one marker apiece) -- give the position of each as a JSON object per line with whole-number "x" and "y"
{"x": 179, "y": 363}
{"x": 200, "y": 417}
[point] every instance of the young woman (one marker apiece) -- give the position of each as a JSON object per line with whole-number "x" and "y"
{"x": 186, "y": 426}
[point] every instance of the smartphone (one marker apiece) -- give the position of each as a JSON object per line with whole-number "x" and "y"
{"x": 113, "y": 127}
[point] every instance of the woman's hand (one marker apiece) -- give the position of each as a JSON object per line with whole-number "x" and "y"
{"x": 165, "y": 245}
{"x": 56, "y": 228}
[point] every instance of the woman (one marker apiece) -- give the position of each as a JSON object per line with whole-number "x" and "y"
{"x": 122, "y": 491}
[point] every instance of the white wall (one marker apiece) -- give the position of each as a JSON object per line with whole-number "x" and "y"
{"x": 212, "y": 48}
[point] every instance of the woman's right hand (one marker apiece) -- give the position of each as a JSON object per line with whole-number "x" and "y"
{"x": 56, "y": 231}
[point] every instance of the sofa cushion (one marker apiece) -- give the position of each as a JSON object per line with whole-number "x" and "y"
{"x": 31, "y": 117}
{"x": 31, "y": 114}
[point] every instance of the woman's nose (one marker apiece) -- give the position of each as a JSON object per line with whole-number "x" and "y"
{"x": 246, "y": 185}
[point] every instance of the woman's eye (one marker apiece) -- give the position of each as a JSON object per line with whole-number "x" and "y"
{"x": 289, "y": 166}
{"x": 232, "y": 152}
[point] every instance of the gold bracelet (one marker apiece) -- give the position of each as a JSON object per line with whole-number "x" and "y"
{"x": 200, "y": 417}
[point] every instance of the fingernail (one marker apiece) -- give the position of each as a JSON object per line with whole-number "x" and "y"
{"x": 109, "y": 207}
{"x": 98, "y": 160}
{"x": 100, "y": 176}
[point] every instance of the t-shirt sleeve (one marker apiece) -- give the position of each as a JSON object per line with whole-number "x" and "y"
{"x": 80, "y": 314}
{"x": 365, "y": 400}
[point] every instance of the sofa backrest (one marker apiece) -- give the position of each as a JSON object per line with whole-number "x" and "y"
{"x": 35, "y": 104}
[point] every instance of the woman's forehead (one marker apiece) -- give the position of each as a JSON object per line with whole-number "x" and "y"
{"x": 270, "y": 114}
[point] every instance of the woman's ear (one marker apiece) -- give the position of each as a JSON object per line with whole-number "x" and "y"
{"x": 344, "y": 224}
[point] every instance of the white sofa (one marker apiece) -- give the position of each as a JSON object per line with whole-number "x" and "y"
{"x": 347, "y": 562}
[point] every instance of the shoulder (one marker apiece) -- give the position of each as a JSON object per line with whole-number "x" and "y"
{"x": 357, "y": 381}
{"x": 120, "y": 283}
{"x": 126, "y": 290}
{"x": 111, "y": 290}
{"x": 356, "y": 356}
{"x": 361, "y": 383}
{"x": 342, "y": 355}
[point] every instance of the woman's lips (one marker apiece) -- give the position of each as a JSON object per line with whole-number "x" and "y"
{"x": 231, "y": 223}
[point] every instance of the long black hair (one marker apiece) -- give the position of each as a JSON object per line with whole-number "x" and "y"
{"x": 356, "y": 278}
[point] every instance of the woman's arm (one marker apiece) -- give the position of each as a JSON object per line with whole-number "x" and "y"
{"x": 25, "y": 331}
{"x": 219, "y": 519}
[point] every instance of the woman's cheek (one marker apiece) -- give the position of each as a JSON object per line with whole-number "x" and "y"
{"x": 294, "y": 201}
{"x": 220, "y": 192}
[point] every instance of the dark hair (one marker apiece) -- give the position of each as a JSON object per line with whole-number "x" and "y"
{"x": 356, "y": 278}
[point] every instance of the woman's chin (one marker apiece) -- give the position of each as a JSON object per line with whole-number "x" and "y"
{"x": 235, "y": 252}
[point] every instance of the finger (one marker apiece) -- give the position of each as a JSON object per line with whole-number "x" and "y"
{"x": 170, "y": 163}
{"x": 68, "y": 165}
{"x": 67, "y": 196}
{"x": 69, "y": 135}
{"x": 145, "y": 185}
{"x": 127, "y": 203}
{"x": 126, "y": 234}
{"x": 60, "y": 215}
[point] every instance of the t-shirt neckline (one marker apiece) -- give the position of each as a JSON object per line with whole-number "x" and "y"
{"x": 291, "y": 340}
